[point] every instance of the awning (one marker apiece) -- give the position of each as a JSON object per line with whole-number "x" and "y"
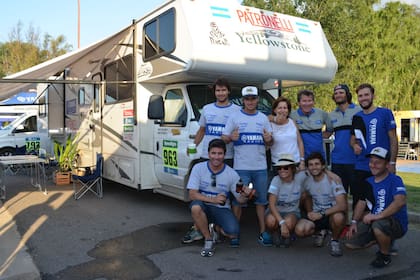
{"x": 80, "y": 64}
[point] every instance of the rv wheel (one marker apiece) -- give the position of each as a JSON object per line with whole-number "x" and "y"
{"x": 7, "y": 152}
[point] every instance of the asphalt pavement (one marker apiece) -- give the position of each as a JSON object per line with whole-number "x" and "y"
{"x": 136, "y": 235}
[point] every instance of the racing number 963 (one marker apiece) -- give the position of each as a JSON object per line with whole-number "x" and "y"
{"x": 170, "y": 157}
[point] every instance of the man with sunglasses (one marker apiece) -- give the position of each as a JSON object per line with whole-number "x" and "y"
{"x": 326, "y": 205}
{"x": 210, "y": 186}
{"x": 284, "y": 198}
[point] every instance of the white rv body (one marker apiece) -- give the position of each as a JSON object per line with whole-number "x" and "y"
{"x": 180, "y": 48}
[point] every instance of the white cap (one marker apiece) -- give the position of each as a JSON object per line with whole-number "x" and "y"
{"x": 249, "y": 91}
{"x": 379, "y": 152}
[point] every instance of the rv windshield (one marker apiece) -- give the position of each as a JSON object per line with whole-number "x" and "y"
{"x": 201, "y": 95}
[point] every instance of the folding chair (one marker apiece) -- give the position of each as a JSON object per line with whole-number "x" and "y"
{"x": 91, "y": 181}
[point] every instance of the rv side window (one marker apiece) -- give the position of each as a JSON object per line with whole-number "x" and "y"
{"x": 119, "y": 77}
{"x": 96, "y": 90}
{"x": 96, "y": 97}
{"x": 175, "y": 109}
{"x": 82, "y": 94}
{"x": 159, "y": 36}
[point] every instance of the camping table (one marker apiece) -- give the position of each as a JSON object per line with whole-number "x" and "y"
{"x": 37, "y": 171}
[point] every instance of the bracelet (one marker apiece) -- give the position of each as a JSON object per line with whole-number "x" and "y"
{"x": 302, "y": 159}
{"x": 392, "y": 162}
{"x": 281, "y": 222}
{"x": 353, "y": 221}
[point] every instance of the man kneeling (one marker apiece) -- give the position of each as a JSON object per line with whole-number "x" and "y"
{"x": 387, "y": 219}
{"x": 210, "y": 185}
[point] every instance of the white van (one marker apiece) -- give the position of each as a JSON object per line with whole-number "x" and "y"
{"x": 26, "y": 134}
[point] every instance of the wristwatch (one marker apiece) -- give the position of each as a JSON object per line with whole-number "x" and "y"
{"x": 322, "y": 212}
{"x": 281, "y": 222}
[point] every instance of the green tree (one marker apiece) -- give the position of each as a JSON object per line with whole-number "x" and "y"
{"x": 20, "y": 53}
{"x": 372, "y": 44}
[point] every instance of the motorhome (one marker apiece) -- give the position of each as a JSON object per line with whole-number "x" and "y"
{"x": 136, "y": 96}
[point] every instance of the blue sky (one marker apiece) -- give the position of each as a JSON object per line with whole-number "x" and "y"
{"x": 98, "y": 18}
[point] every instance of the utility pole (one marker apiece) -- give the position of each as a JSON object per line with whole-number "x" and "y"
{"x": 78, "y": 24}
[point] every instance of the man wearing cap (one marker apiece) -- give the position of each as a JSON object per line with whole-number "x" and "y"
{"x": 327, "y": 208}
{"x": 310, "y": 122}
{"x": 250, "y": 131}
{"x": 212, "y": 121}
{"x": 387, "y": 219}
{"x": 284, "y": 196}
{"x": 342, "y": 155}
{"x": 372, "y": 127}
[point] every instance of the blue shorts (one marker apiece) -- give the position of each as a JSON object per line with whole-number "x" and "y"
{"x": 259, "y": 179}
{"x": 222, "y": 217}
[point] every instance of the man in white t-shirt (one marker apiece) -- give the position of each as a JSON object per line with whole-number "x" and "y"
{"x": 250, "y": 131}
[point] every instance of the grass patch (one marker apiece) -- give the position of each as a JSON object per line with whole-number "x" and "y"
{"x": 412, "y": 184}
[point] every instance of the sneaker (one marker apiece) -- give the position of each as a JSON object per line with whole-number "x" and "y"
{"x": 381, "y": 260}
{"x": 393, "y": 251}
{"x": 284, "y": 242}
{"x": 234, "y": 243}
{"x": 335, "y": 248}
{"x": 192, "y": 235}
{"x": 208, "y": 249}
{"x": 265, "y": 239}
{"x": 319, "y": 238}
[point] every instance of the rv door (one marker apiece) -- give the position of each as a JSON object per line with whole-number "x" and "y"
{"x": 172, "y": 135}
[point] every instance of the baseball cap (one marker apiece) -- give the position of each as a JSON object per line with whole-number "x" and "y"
{"x": 285, "y": 159}
{"x": 342, "y": 86}
{"x": 380, "y": 153}
{"x": 249, "y": 91}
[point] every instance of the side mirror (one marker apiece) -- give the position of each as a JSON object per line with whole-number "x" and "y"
{"x": 156, "y": 108}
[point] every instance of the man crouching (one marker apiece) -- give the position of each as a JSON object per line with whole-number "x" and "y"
{"x": 210, "y": 185}
{"x": 387, "y": 220}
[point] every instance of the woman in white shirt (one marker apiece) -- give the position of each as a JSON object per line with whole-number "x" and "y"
{"x": 286, "y": 136}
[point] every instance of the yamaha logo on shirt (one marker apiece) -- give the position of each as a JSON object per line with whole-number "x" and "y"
{"x": 250, "y": 139}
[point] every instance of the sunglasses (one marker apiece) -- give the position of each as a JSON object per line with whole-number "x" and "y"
{"x": 285, "y": 167}
{"x": 213, "y": 180}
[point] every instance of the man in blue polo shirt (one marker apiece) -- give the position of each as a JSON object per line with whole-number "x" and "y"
{"x": 310, "y": 122}
{"x": 342, "y": 155}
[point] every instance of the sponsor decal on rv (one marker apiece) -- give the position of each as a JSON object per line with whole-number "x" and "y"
{"x": 170, "y": 156}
